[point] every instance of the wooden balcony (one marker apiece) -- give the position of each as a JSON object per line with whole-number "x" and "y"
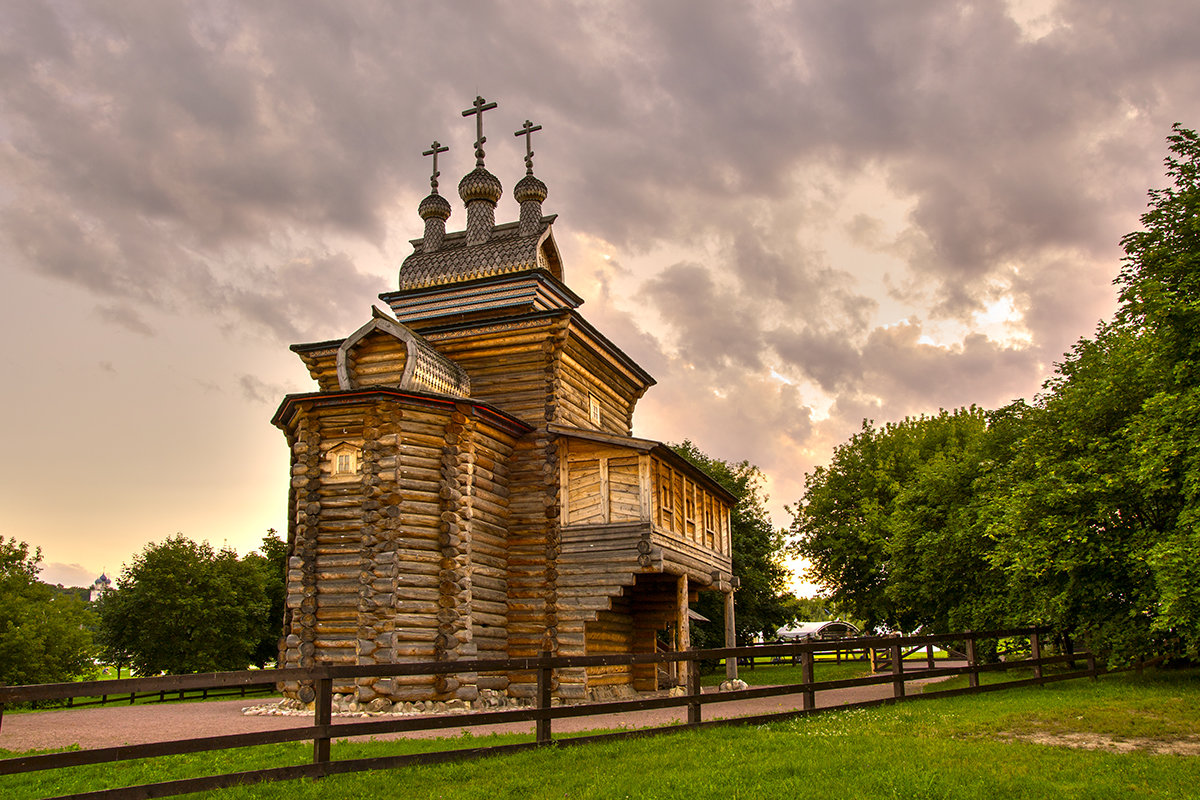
{"x": 633, "y": 506}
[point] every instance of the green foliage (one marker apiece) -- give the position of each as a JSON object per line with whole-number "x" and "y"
{"x": 271, "y": 563}
{"x": 891, "y": 527}
{"x": 758, "y": 547}
{"x": 1072, "y": 526}
{"x": 183, "y": 607}
{"x": 43, "y": 633}
{"x": 1081, "y": 511}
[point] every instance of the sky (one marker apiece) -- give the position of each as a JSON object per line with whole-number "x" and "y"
{"x": 795, "y": 215}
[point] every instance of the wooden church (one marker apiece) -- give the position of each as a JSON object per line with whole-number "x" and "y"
{"x": 464, "y": 483}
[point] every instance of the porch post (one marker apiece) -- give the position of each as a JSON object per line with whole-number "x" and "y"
{"x": 681, "y": 621}
{"x": 731, "y": 664}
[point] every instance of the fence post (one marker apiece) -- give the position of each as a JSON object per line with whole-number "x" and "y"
{"x": 1035, "y": 650}
{"x": 897, "y": 671}
{"x": 1093, "y": 673}
{"x": 693, "y": 690}
{"x": 929, "y": 656}
{"x": 807, "y": 672}
{"x": 322, "y": 716}
{"x": 972, "y": 662}
{"x": 544, "y": 676}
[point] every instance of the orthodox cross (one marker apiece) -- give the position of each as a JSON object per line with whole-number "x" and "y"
{"x": 477, "y": 108}
{"x": 433, "y": 150}
{"x": 527, "y": 131}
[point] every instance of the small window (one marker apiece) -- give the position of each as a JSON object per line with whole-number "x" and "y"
{"x": 594, "y": 409}
{"x": 343, "y": 460}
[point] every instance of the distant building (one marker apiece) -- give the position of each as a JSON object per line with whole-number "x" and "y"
{"x": 102, "y": 585}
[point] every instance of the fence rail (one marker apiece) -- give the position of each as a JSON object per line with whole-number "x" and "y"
{"x": 323, "y": 730}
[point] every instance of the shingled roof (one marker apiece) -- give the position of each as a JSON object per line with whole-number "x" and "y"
{"x": 506, "y": 252}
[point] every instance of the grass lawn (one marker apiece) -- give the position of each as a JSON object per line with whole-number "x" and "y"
{"x": 778, "y": 674}
{"x": 984, "y": 746}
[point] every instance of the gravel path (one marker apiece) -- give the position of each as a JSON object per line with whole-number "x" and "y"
{"x": 117, "y": 725}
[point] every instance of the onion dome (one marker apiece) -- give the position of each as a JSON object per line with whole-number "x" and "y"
{"x": 529, "y": 188}
{"x": 479, "y": 184}
{"x": 434, "y": 206}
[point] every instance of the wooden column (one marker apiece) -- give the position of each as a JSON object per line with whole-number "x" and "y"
{"x": 1035, "y": 652}
{"x": 681, "y": 622}
{"x": 731, "y": 664}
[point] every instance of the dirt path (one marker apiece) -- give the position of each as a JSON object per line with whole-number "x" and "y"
{"x": 118, "y": 725}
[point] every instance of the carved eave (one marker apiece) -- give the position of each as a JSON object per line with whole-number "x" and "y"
{"x": 494, "y": 296}
{"x": 486, "y": 412}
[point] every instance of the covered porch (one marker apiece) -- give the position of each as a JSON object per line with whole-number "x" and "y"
{"x": 642, "y": 532}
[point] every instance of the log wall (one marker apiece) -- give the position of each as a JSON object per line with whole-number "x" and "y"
{"x": 378, "y": 359}
{"x": 611, "y": 632}
{"x": 405, "y": 558}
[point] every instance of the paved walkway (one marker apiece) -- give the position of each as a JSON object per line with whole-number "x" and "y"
{"x": 118, "y": 725}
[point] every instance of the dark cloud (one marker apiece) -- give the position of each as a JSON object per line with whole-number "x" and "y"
{"x": 229, "y": 158}
{"x": 714, "y": 325}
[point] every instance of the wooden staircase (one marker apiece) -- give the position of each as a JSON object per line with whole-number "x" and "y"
{"x": 596, "y": 563}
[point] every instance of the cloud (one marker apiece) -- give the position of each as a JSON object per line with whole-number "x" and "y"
{"x": 776, "y": 183}
{"x": 56, "y": 573}
{"x": 258, "y": 391}
{"x": 124, "y": 316}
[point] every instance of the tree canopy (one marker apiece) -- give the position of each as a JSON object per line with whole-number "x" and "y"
{"x": 763, "y": 601}
{"x": 181, "y": 607}
{"x": 1080, "y": 510}
{"x": 43, "y": 633}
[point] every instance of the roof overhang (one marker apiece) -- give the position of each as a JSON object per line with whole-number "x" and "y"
{"x": 485, "y": 411}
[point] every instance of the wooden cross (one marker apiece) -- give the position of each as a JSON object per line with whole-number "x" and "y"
{"x": 527, "y": 131}
{"x": 477, "y": 108}
{"x": 433, "y": 150}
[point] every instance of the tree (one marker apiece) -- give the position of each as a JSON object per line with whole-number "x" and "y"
{"x": 43, "y": 635}
{"x": 183, "y": 607}
{"x": 1160, "y": 295}
{"x": 1071, "y": 524}
{"x": 890, "y": 526}
{"x": 271, "y": 563}
{"x": 1081, "y": 511}
{"x": 763, "y": 601}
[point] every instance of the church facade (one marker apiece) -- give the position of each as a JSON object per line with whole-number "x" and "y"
{"x": 464, "y": 482}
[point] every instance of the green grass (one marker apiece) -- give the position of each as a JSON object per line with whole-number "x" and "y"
{"x": 778, "y": 674}
{"x": 959, "y": 747}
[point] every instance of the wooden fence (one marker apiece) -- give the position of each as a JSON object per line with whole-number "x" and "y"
{"x": 323, "y": 731}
